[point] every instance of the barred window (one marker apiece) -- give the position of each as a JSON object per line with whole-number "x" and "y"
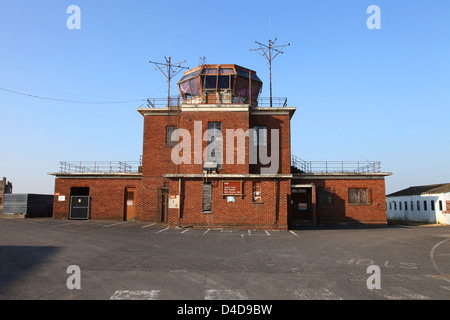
{"x": 358, "y": 196}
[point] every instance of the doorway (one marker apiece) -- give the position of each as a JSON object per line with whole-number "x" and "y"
{"x": 163, "y": 204}
{"x": 130, "y": 204}
{"x": 303, "y": 205}
{"x": 80, "y": 203}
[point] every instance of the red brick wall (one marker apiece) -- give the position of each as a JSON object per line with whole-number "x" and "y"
{"x": 282, "y": 123}
{"x": 239, "y": 214}
{"x": 341, "y": 211}
{"x": 107, "y": 197}
{"x": 157, "y": 156}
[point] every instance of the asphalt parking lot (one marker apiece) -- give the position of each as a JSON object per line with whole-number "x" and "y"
{"x": 132, "y": 260}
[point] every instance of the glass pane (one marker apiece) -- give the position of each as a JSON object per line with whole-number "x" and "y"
{"x": 242, "y": 87}
{"x": 210, "y": 71}
{"x": 210, "y": 82}
{"x": 224, "y": 82}
{"x": 226, "y": 70}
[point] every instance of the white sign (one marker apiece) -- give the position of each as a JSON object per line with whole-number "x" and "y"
{"x": 174, "y": 201}
{"x": 61, "y": 198}
{"x": 230, "y": 199}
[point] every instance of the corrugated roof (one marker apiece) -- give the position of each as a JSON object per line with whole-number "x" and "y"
{"x": 419, "y": 190}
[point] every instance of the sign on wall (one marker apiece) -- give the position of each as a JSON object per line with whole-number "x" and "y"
{"x": 232, "y": 188}
{"x": 174, "y": 201}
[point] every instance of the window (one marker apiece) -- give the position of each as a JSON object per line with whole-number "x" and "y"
{"x": 412, "y": 206}
{"x": 324, "y": 195}
{"x": 395, "y": 206}
{"x": 424, "y": 205}
{"x": 440, "y": 205}
{"x": 260, "y": 136}
{"x": 400, "y": 204}
{"x": 358, "y": 196}
{"x": 406, "y": 205}
{"x": 257, "y": 191}
{"x": 214, "y": 148}
{"x": 207, "y": 195}
{"x": 418, "y": 205}
{"x": 390, "y": 205}
{"x": 432, "y": 204}
{"x": 171, "y": 136}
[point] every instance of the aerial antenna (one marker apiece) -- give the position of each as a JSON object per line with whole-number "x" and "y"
{"x": 202, "y": 61}
{"x": 270, "y": 52}
{"x": 171, "y": 70}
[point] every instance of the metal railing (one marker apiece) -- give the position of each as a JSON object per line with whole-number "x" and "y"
{"x": 176, "y": 101}
{"x": 99, "y": 166}
{"x": 301, "y": 166}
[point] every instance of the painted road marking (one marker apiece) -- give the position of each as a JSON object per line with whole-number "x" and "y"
{"x": 400, "y": 293}
{"x": 162, "y": 230}
{"x": 226, "y": 295}
{"x": 69, "y": 223}
{"x": 206, "y": 231}
{"x": 135, "y": 295}
{"x": 149, "y": 225}
{"x": 293, "y": 233}
{"x": 316, "y": 294}
{"x": 249, "y": 233}
{"x": 267, "y": 232}
{"x": 114, "y": 224}
{"x": 184, "y": 231}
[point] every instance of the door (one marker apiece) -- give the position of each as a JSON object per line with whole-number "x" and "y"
{"x": 163, "y": 195}
{"x": 130, "y": 204}
{"x": 301, "y": 204}
{"x": 79, "y": 207}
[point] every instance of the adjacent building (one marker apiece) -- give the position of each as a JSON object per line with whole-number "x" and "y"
{"x": 5, "y": 188}
{"x": 428, "y": 204}
{"x": 219, "y": 155}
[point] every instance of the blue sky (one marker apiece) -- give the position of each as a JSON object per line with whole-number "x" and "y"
{"x": 360, "y": 94}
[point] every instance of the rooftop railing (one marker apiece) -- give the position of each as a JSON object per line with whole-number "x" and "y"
{"x": 302, "y": 166}
{"x": 99, "y": 166}
{"x": 176, "y": 101}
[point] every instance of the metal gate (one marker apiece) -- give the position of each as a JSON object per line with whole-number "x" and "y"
{"x": 80, "y": 207}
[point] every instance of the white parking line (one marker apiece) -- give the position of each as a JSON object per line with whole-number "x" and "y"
{"x": 206, "y": 231}
{"x": 162, "y": 230}
{"x": 293, "y": 233}
{"x": 267, "y": 232}
{"x": 149, "y": 225}
{"x": 186, "y": 230}
{"x": 249, "y": 233}
{"x": 69, "y": 223}
{"x": 114, "y": 224}
{"x": 135, "y": 295}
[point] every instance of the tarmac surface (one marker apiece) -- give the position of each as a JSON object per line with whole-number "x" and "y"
{"x": 46, "y": 259}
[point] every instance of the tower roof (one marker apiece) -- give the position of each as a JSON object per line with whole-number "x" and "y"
{"x": 220, "y": 83}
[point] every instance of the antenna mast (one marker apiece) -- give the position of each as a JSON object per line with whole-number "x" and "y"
{"x": 171, "y": 71}
{"x": 270, "y": 52}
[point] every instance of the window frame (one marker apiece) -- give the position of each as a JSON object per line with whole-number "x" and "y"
{"x": 257, "y": 137}
{"x": 359, "y": 196}
{"x": 169, "y": 141}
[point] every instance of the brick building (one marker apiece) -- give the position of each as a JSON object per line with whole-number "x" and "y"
{"x": 219, "y": 155}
